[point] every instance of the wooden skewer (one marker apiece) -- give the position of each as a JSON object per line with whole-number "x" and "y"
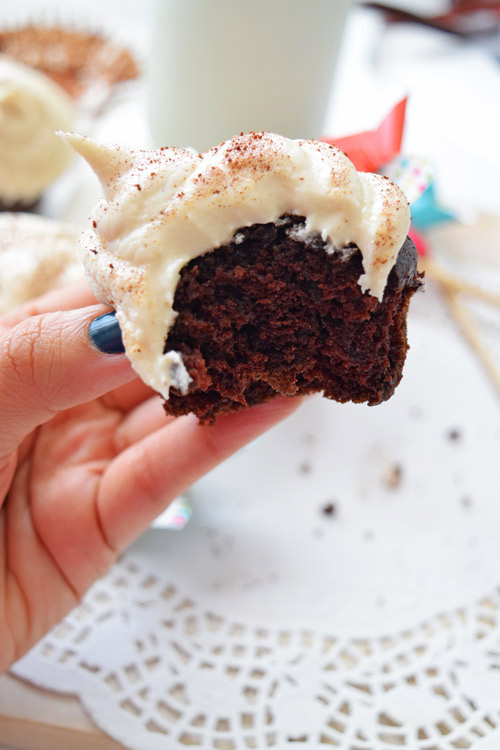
{"x": 466, "y": 321}
{"x": 453, "y": 283}
{"x": 452, "y": 288}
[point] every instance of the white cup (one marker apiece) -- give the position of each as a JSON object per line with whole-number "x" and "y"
{"x": 221, "y": 67}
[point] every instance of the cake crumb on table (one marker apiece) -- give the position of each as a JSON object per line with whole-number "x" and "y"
{"x": 393, "y": 477}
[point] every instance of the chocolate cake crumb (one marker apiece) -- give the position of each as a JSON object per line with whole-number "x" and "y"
{"x": 305, "y": 468}
{"x": 270, "y": 315}
{"x": 330, "y": 509}
{"x": 393, "y": 476}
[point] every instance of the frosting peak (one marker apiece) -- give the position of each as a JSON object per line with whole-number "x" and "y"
{"x": 164, "y": 207}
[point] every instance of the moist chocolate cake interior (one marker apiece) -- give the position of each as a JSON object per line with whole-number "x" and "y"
{"x": 271, "y": 314}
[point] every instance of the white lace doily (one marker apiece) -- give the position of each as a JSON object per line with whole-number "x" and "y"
{"x": 338, "y": 584}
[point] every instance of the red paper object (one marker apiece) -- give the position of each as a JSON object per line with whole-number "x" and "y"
{"x": 369, "y": 150}
{"x": 419, "y": 241}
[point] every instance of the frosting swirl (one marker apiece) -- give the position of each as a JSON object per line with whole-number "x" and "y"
{"x": 32, "y": 108}
{"x": 164, "y": 207}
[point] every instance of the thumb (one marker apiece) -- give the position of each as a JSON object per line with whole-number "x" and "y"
{"x": 48, "y": 363}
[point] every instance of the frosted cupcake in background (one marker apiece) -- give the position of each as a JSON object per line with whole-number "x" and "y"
{"x": 32, "y": 108}
{"x": 89, "y": 66}
{"x": 37, "y": 255}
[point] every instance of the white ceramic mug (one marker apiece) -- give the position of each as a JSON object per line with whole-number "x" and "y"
{"x": 220, "y": 67}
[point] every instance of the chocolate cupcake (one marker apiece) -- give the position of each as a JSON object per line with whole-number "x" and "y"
{"x": 265, "y": 266}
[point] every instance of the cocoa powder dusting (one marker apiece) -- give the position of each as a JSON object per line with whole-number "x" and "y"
{"x": 75, "y": 60}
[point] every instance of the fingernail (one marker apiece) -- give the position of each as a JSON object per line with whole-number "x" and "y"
{"x": 105, "y": 334}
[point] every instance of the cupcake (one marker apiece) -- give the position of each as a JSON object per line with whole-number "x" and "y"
{"x": 36, "y": 256}
{"x": 265, "y": 266}
{"x": 88, "y": 66}
{"x": 32, "y": 108}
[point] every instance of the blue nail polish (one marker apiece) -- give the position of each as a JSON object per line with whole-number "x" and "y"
{"x": 105, "y": 334}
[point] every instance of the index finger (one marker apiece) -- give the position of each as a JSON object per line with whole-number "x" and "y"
{"x": 69, "y": 297}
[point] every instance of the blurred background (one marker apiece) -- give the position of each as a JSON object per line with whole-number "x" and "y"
{"x": 395, "y": 510}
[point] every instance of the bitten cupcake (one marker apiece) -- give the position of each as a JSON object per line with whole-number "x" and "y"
{"x": 32, "y": 108}
{"x": 264, "y": 266}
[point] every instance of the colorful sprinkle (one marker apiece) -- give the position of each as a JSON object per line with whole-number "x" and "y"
{"x": 177, "y": 514}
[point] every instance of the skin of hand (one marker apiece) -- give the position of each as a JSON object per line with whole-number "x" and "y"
{"x": 88, "y": 459}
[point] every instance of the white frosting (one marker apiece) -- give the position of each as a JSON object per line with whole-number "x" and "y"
{"x": 36, "y": 255}
{"x": 32, "y": 108}
{"x": 162, "y": 208}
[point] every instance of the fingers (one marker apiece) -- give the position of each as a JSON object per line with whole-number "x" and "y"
{"x": 128, "y": 396}
{"x": 69, "y": 297}
{"x": 140, "y": 422}
{"x": 142, "y": 481}
{"x": 48, "y": 364}
{"x": 8, "y": 466}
